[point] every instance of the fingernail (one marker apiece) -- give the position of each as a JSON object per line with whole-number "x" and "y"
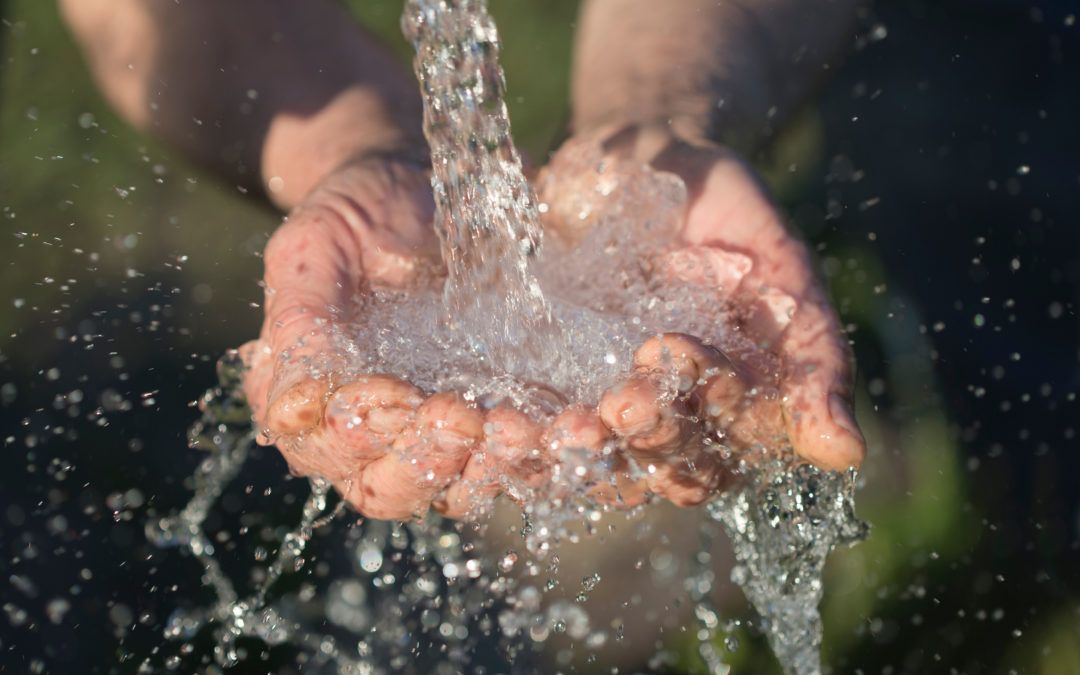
{"x": 842, "y": 415}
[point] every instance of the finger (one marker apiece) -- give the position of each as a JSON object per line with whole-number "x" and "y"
{"x": 743, "y": 418}
{"x": 510, "y": 456}
{"x": 297, "y": 409}
{"x": 578, "y": 427}
{"x": 315, "y": 456}
{"x": 691, "y": 475}
{"x": 742, "y": 415}
{"x": 620, "y": 487}
{"x": 515, "y": 443}
{"x": 581, "y": 428}
{"x": 661, "y": 436}
{"x": 310, "y": 272}
{"x": 665, "y": 439}
{"x": 685, "y": 357}
{"x": 646, "y": 415}
{"x": 360, "y": 421}
{"x": 422, "y": 461}
{"x": 816, "y": 391}
{"x": 258, "y": 371}
{"x": 363, "y": 418}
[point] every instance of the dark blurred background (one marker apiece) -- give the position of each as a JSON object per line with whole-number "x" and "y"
{"x": 937, "y": 174}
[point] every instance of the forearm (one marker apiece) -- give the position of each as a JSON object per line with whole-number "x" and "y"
{"x": 713, "y": 69}
{"x": 272, "y": 93}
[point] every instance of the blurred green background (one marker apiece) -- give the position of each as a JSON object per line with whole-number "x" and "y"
{"x": 127, "y": 271}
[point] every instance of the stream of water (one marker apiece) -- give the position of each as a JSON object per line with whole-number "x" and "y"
{"x": 509, "y": 317}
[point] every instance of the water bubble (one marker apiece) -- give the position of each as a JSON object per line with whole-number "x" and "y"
{"x": 371, "y": 558}
{"x": 57, "y": 609}
{"x": 346, "y": 605}
{"x": 507, "y": 562}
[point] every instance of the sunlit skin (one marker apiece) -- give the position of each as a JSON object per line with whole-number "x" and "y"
{"x": 394, "y": 451}
{"x": 795, "y": 383}
{"x": 295, "y": 100}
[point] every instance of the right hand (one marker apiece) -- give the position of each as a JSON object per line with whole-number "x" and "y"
{"x": 391, "y": 450}
{"x": 387, "y": 447}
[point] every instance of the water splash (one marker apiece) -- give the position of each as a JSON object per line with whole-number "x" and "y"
{"x": 427, "y": 591}
{"x": 784, "y": 520}
{"x": 225, "y": 432}
{"x": 420, "y": 596}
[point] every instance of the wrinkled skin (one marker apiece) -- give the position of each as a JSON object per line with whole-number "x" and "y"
{"x": 793, "y": 384}
{"x": 394, "y": 451}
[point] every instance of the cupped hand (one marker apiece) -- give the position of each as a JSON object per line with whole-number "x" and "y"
{"x": 786, "y": 382}
{"x": 390, "y": 449}
{"x": 393, "y": 451}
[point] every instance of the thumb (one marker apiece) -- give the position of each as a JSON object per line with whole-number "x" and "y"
{"x": 816, "y": 391}
{"x": 312, "y": 271}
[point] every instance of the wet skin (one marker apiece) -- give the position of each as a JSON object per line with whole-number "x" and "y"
{"x": 327, "y": 94}
{"x": 394, "y": 451}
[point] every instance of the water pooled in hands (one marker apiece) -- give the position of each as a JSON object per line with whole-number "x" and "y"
{"x": 508, "y": 318}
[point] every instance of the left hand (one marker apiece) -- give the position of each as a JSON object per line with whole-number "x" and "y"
{"x": 790, "y": 382}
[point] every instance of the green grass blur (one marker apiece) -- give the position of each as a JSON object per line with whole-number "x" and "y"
{"x": 93, "y": 212}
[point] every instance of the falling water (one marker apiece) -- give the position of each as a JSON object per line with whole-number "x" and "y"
{"x": 509, "y": 317}
{"x": 225, "y": 431}
{"x": 486, "y": 216}
{"x": 783, "y": 521}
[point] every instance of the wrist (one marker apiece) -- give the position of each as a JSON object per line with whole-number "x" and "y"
{"x": 735, "y": 111}
{"x": 706, "y": 69}
{"x": 652, "y": 143}
{"x": 301, "y": 151}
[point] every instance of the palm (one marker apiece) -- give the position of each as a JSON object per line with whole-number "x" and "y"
{"x": 791, "y": 359}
